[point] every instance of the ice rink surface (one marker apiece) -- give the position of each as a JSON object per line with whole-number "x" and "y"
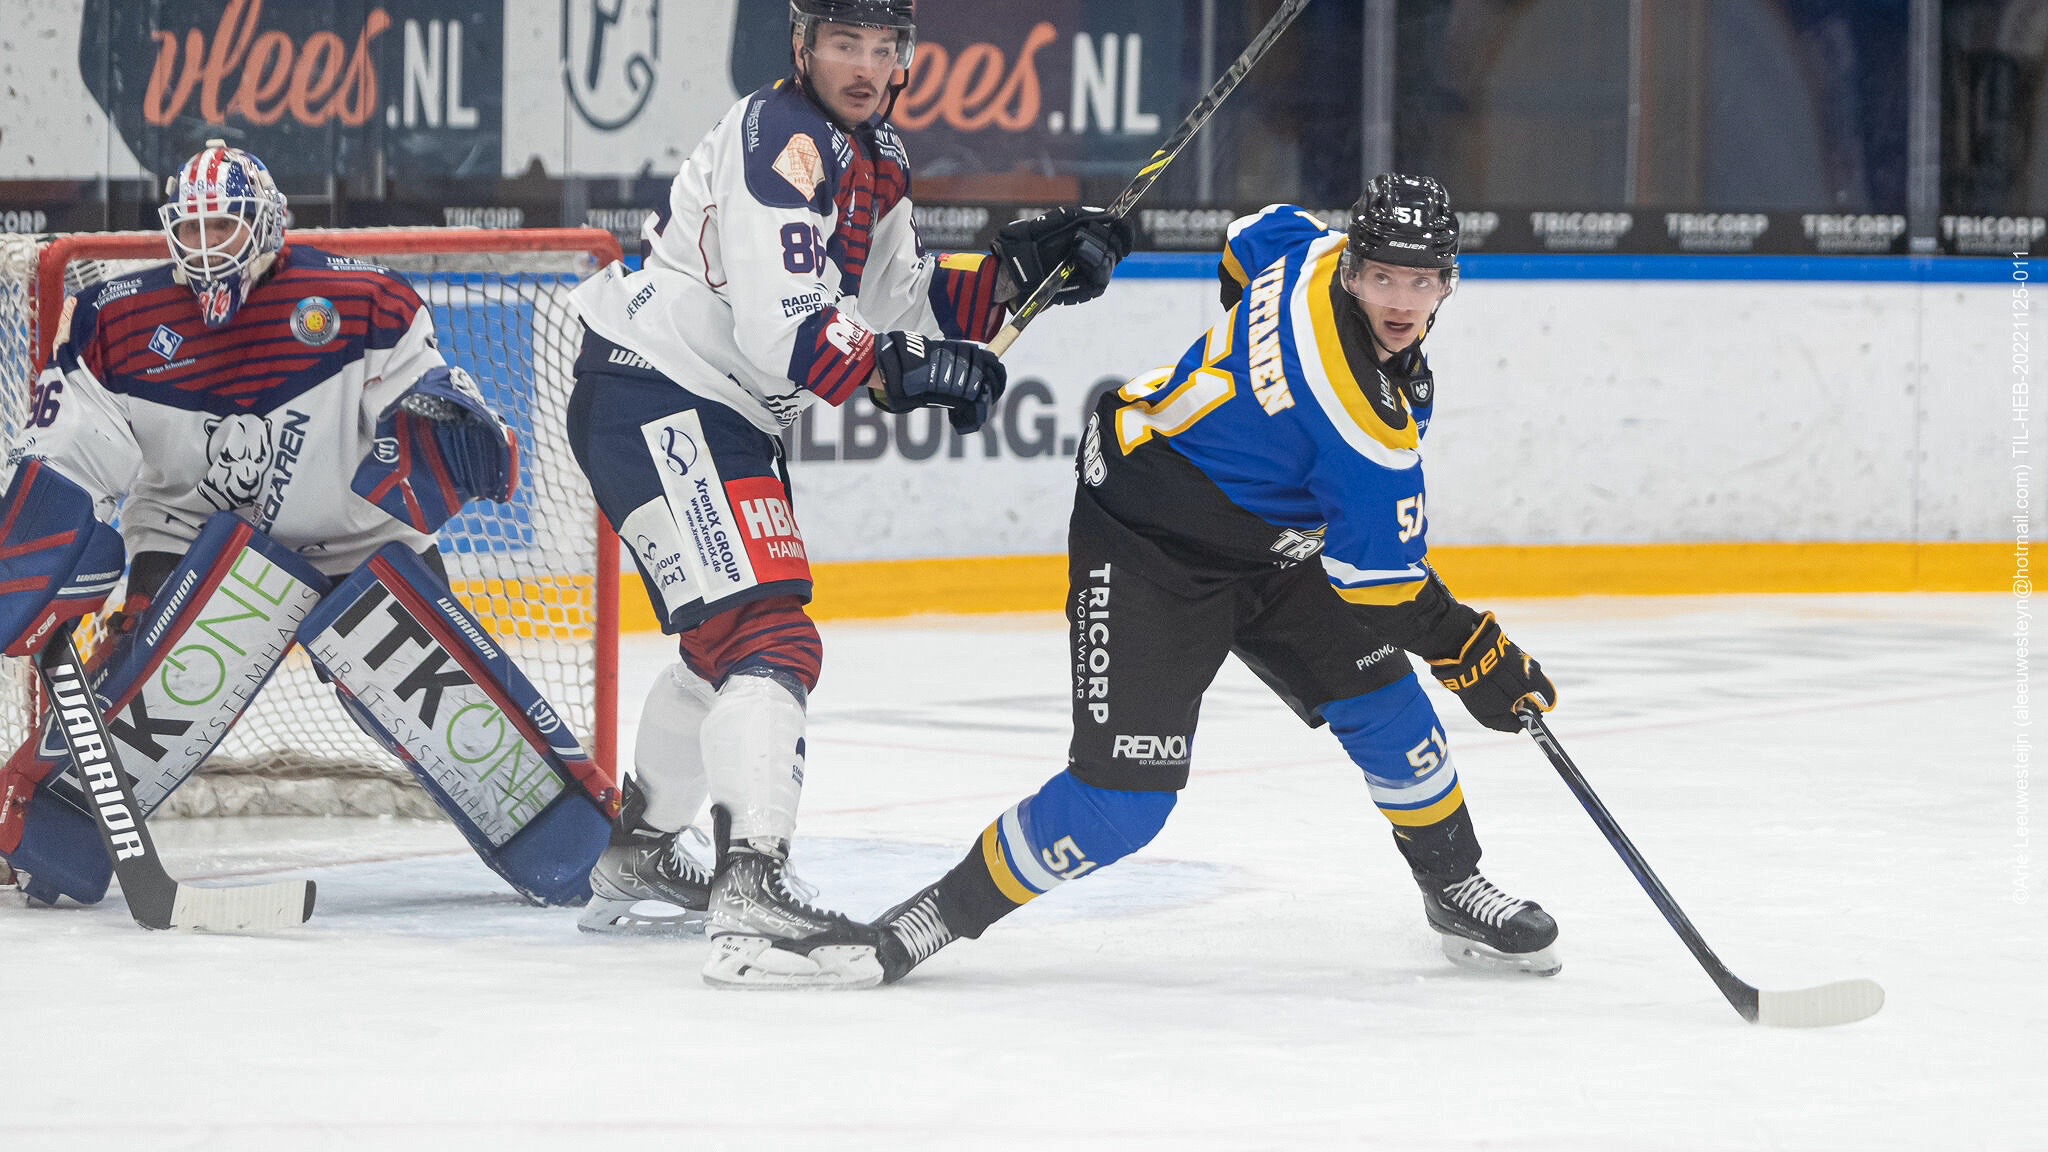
{"x": 1828, "y": 786}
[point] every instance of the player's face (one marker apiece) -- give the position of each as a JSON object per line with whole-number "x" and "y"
{"x": 1397, "y": 301}
{"x": 850, "y": 69}
{"x": 218, "y": 238}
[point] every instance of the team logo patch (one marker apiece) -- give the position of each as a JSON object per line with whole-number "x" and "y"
{"x": 239, "y": 450}
{"x": 315, "y": 321}
{"x": 165, "y": 342}
{"x": 707, "y": 529}
{"x": 853, "y": 341}
{"x": 800, "y": 164}
{"x": 768, "y": 529}
{"x": 678, "y": 450}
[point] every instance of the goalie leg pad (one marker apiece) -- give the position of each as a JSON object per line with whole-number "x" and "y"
{"x": 668, "y": 755}
{"x": 423, "y": 678}
{"x": 210, "y": 639}
{"x": 57, "y": 561}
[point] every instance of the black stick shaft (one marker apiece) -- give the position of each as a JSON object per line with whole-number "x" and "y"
{"x": 1739, "y": 994}
{"x": 150, "y": 891}
{"x": 1149, "y": 174}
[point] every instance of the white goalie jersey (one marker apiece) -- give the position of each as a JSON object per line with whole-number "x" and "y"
{"x": 268, "y": 416}
{"x": 785, "y": 245}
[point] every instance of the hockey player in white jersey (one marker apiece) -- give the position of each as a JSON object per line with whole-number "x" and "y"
{"x": 280, "y": 436}
{"x": 783, "y": 270}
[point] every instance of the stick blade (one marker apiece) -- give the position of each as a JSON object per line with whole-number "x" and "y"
{"x": 256, "y": 908}
{"x": 1843, "y": 1002}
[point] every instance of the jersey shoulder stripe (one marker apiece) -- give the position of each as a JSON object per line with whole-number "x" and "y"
{"x": 151, "y": 290}
{"x": 1320, "y": 360}
{"x": 346, "y": 275}
{"x": 1377, "y": 587}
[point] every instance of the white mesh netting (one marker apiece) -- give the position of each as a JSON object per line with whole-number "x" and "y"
{"x": 528, "y": 569}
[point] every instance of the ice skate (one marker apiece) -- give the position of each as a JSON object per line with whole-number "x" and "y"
{"x": 851, "y": 954}
{"x": 765, "y": 933}
{"x": 912, "y": 932}
{"x": 1486, "y": 929}
{"x": 647, "y": 882}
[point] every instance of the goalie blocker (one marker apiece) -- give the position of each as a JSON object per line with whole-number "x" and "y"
{"x": 57, "y": 562}
{"x": 418, "y": 672}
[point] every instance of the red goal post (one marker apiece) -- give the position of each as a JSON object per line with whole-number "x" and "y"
{"x": 542, "y": 573}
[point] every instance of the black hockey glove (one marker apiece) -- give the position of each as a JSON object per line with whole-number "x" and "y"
{"x": 1030, "y": 250}
{"x": 1493, "y": 677}
{"x": 1409, "y": 372}
{"x": 963, "y": 377}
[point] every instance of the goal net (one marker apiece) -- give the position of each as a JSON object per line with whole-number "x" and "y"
{"x": 540, "y": 572}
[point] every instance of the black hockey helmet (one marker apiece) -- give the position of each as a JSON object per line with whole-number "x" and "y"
{"x": 900, "y": 15}
{"x": 1404, "y": 220}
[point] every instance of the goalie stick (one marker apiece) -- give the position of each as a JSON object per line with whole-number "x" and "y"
{"x": 1149, "y": 174}
{"x": 154, "y": 898}
{"x": 1843, "y": 1002}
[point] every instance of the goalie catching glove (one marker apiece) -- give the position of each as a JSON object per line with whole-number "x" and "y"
{"x": 963, "y": 377}
{"x": 1493, "y": 677}
{"x": 1090, "y": 238}
{"x": 439, "y": 447}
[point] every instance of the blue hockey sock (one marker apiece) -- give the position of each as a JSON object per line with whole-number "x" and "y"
{"x": 1066, "y": 830}
{"x": 1394, "y": 737}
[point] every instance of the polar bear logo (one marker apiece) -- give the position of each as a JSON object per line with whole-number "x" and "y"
{"x": 239, "y": 452}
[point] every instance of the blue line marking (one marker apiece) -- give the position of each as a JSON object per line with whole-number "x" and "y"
{"x": 1606, "y": 266}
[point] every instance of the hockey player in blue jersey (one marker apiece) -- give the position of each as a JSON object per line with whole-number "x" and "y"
{"x": 1262, "y": 497}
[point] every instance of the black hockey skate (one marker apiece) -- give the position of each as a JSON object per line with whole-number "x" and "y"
{"x": 911, "y": 933}
{"x": 1485, "y": 928}
{"x": 647, "y": 882}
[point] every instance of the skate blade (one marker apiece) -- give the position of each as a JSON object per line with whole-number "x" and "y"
{"x": 754, "y": 962}
{"x": 1480, "y": 958}
{"x": 641, "y": 918}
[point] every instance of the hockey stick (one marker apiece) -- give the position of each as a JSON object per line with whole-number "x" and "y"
{"x": 1149, "y": 174}
{"x": 154, "y": 898}
{"x": 1843, "y": 1002}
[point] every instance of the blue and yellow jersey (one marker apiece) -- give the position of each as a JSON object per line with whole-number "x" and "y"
{"x": 1282, "y": 410}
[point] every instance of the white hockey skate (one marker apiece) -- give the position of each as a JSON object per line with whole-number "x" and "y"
{"x": 647, "y": 882}
{"x": 765, "y": 933}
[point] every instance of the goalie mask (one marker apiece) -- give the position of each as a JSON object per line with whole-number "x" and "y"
{"x": 225, "y": 222}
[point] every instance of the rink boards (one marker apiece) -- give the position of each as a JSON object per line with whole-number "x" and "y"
{"x": 1822, "y": 424}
